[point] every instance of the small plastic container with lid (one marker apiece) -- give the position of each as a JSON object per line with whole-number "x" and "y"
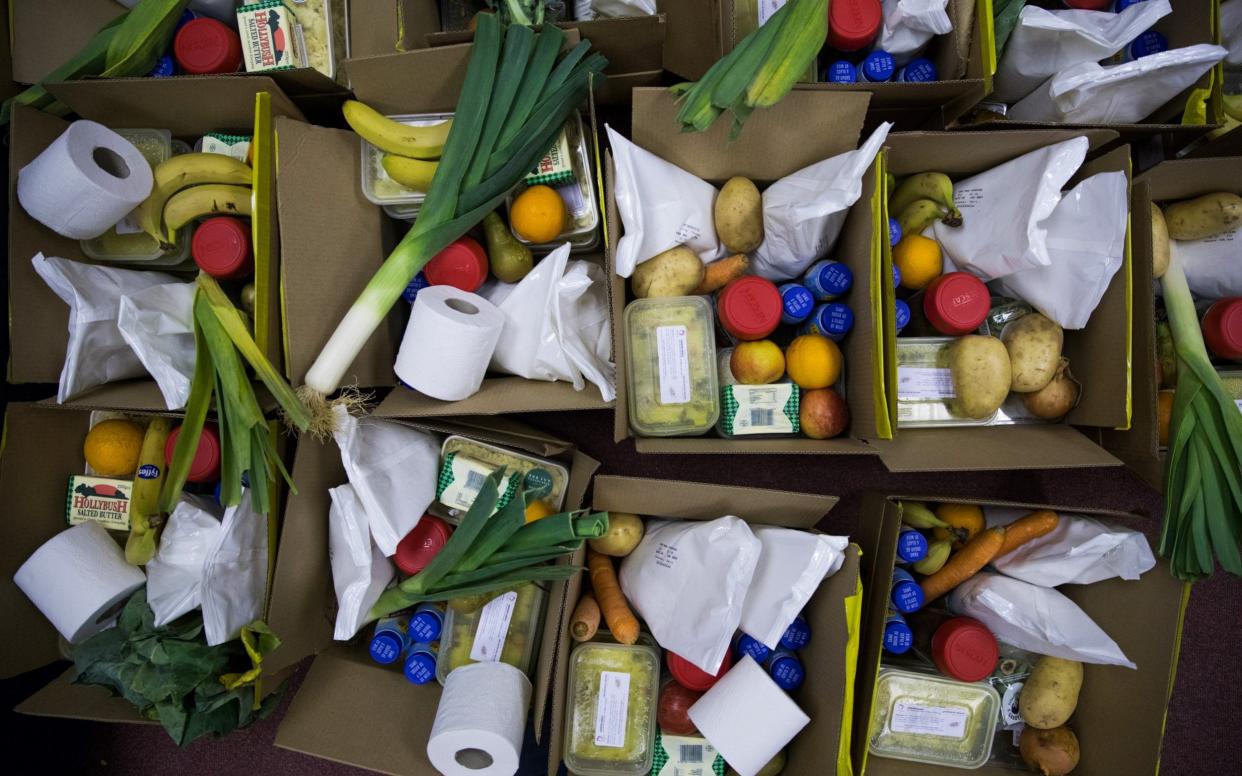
{"x": 1222, "y": 328}
{"x": 956, "y": 303}
{"x": 797, "y": 302}
{"x": 206, "y": 464}
{"x": 378, "y": 187}
{"x": 906, "y": 595}
{"x": 537, "y": 473}
{"x": 463, "y": 265}
{"x": 390, "y": 640}
{"x": 917, "y": 71}
{"x": 745, "y": 644}
{"x": 828, "y": 280}
{"x": 420, "y": 545}
{"x": 610, "y": 712}
{"x": 503, "y": 626}
{"x": 841, "y": 72}
{"x": 578, "y": 192}
{"x": 911, "y": 546}
{"x": 420, "y": 663}
{"x": 426, "y": 623}
{"x": 898, "y": 636}
{"x": 901, "y": 315}
{"x": 749, "y": 308}
{"x": 797, "y": 635}
{"x": 925, "y": 392}
{"x": 221, "y": 248}
{"x": 207, "y": 46}
{"x": 786, "y": 670}
{"x": 877, "y": 67}
{"x": 692, "y": 677}
{"x": 833, "y": 320}
{"x": 671, "y": 366}
{"x": 853, "y": 24}
{"x": 964, "y": 649}
{"x": 932, "y": 720}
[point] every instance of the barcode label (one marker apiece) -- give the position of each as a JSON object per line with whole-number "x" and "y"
{"x": 691, "y": 753}
{"x": 474, "y": 481}
{"x": 572, "y": 194}
{"x": 760, "y": 417}
{"x": 687, "y": 756}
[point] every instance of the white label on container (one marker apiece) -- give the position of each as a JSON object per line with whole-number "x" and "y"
{"x": 761, "y": 409}
{"x": 943, "y": 721}
{"x": 923, "y": 382}
{"x": 612, "y": 709}
{"x": 489, "y": 637}
{"x": 129, "y": 224}
{"x": 674, "y": 356}
{"x": 687, "y": 756}
{"x": 1239, "y": 403}
{"x": 766, "y": 8}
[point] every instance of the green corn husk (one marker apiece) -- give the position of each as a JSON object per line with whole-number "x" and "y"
{"x": 202, "y": 385}
{"x": 143, "y": 37}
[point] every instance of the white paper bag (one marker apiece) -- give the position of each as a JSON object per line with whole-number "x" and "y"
{"x": 909, "y": 25}
{"x": 175, "y": 574}
{"x": 360, "y": 572}
{"x": 158, "y": 324}
{"x": 791, "y": 567}
{"x": 1079, "y": 551}
{"x": 235, "y": 573}
{"x": 1231, "y": 30}
{"x": 1213, "y": 266}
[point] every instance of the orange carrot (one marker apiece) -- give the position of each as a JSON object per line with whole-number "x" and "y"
{"x": 721, "y": 273}
{"x": 964, "y": 563}
{"x": 1024, "y": 529}
{"x": 585, "y": 620}
{"x": 621, "y": 621}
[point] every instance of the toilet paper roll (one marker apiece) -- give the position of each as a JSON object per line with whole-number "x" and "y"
{"x": 448, "y": 343}
{"x": 86, "y": 181}
{"x": 481, "y": 720}
{"x": 79, "y": 580}
{"x": 747, "y": 717}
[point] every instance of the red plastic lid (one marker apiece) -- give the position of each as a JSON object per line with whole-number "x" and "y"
{"x": 965, "y": 649}
{"x": 207, "y": 46}
{"x": 853, "y": 24}
{"x": 1222, "y": 328}
{"x": 692, "y": 677}
{"x": 419, "y": 546}
{"x": 206, "y": 465}
{"x": 462, "y": 265}
{"x": 749, "y": 308}
{"x": 221, "y": 248}
{"x": 956, "y": 303}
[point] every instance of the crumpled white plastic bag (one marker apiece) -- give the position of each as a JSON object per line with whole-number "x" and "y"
{"x": 1088, "y": 93}
{"x": 158, "y": 324}
{"x": 1046, "y": 42}
{"x": 175, "y": 574}
{"x": 360, "y": 572}
{"x": 1086, "y": 247}
{"x": 803, "y": 212}
{"x": 586, "y": 10}
{"x": 557, "y": 325}
{"x": 1079, "y": 551}
{"x": 1005, "y": 211}
{"x": 661, "y": 206}
{"x": 688, "y": 581}
{"x": 97, "y": 353}
{"x": 1231, "y": 30}
{"x": 909, "y": 25}
{"x": 1213, "y": 266}
{"x": 235, "y": 573}
{"x": 1037, "y": 619}
{"x": 792, "y": 564}
{"x": 393, "y": 469}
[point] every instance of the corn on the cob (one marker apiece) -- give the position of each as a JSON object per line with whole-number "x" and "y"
{"x": 800, "y": 39}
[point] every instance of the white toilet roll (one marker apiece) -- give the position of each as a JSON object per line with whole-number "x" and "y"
{"x": 86, "y": 181}
{"x": 79, "y": 580}
{"x": 747, "y": 717}
{"x": 481, "y": 720}
{"x": 448, "y": 343}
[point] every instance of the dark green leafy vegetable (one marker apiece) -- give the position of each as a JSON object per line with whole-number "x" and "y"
{"x": 1005, "y": 19}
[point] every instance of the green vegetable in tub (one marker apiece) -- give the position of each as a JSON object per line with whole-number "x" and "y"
{"x": 659, "y": 404}
{"x": 611, "y": 746}
{"x": 468, "y": 614}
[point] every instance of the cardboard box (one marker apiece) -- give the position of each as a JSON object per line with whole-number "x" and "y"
{"x": 38, "y": 318}
{"x": 1121, "y": 713}
{"x": 804, "y": 128}
{"x": 832, "y": 612}
{"x": 332, "y": 715}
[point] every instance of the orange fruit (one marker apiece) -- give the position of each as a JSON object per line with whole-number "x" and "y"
{"x": 1164, "y": 415}
{"x": 965, "y": 520}
{"x": 813, "y": 361}
{"x": 538, "y": 214}
{"x": 918, "y": 260}
{"x": 112, "y": 447}
{"x": 538, "y": 510}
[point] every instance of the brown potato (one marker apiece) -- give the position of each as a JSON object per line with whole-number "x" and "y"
{"x": 1034, "y": 344}
{"x": 1050, "y": 694}
{"x": 981, "y": 375}
{"x": 1205, "y": 216}
{"x": 676, "y": 272}
{"x": 1159, "y": 243}
{"x": 739, "y": 215}
{"x": 1049, "y": 752}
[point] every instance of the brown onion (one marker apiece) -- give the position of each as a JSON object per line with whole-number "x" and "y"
{"x": 1057, "y": 398}
{"x": 1049, "y": 752}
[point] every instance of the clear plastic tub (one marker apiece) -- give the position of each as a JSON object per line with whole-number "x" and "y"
{"x": 376, "y": 185}
{"x": 322, "y": 30}
{"x": 924, "y": 387}
{"x": 929, "y": 719}
{"x": 503, "y": 626}
{"x": 583, "y": 231}
{"x": 610, "y": 714}
{"x": 535, "y": 471}
{"x": 671, "y": 366}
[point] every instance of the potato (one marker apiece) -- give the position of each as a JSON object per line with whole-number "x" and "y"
{"x": 1034, "y": 345}
{"x": 1205, "y": 216}
{"x": 981, "y": 374}
{"x": 676, "y": 272}
{"x": 1050, "y": 693}
{"x": 625, "y": 531}
{"x": 1159, "y": 243}
{"x": 739, "y": 216}
{"x": 1049, "y": 752}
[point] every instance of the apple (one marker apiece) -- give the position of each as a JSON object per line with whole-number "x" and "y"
{"x": 823, "y": 413}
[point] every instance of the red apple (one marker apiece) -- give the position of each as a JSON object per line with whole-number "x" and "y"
{"x": 823, "y": 413}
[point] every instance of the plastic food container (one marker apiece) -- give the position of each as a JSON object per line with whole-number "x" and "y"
{"x": 206, "y": 464}
{"x": 207, "y": 46}
{"x": 965, "y": 649}
{"x": 1222, "y": 329}
{"x": 853, "y": 24}
{"x": 610, "y": 715}
{"x": 749, "y": 308}
{"x": 382, "y": 190}
{"x": 496, "y": 627}
{"x": 925, "y": 386}
{"x": 321, "y": 32}
{"x": 692, "y": 677}
{"x": 582, "y": 233}
{"x": 537, "y": 472}
{"x": 221, "y": 248}
{"x": 463, "y": 265}
{"x": 671, "y": 366}
{"x": 932, "y": 720}
{"x": 956, "y": 303}
{"x": 419, "y": 546}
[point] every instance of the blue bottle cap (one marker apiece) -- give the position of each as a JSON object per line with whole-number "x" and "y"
{"x": 1122, "y": 5}
{"x": 841, "y": 72}
{"x": 796, "y": 303}
{"x": 898, "y": 637}
{"x": 833, "y": 320}
{"x": 894, "y": 231}
{"x": 426, "y": 625}
{"x": 828, "y": 280}
{"x": 797, "y": 635}
{"x": 903, "y": 314}
{"x": 417, "y": 284}
{"x": 918, "y": 71}
{"x": 386, "y": 647}
{"x": 420, "y": 665}
{"x": 187, "y": 16}
{"x": 906, "y": 595}
{"x": 878, "y": 66}
{"x": 896, "y": 276}
{"x": 911, "y": 546}
{"x": 748, "y": 645}
{"x": 1150, "y": 42}
{"x": 786, "y": 670}
{"x": 165, "y": 67}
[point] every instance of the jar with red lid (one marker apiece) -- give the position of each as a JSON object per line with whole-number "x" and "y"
{"x": 956, "y": 303}
{"x": 463, "y": 265}
{"x": 749, "y": 308}
{"x": 1222, "y": 328}
{"x": 422, "y": 544}
{"x": 964, "y": 649}
{"x": 221, "y": 248}
{"x": 206, "y": 46}
{"x": 692, "y": 677}
{"x": 206, "y": 464}
{"x": 853, "y": 24}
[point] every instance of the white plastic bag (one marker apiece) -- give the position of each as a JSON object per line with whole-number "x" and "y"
{"x": 688, "y": 582}
{"x": 97, "y": 353}
{"x": 393, "y": 469}
{"x": 235, "y": 573}
{"x": 360, "y": 572}
{"x": 1121, "y": 94}
{"x": 803, "y": 212}
{"x": 1045, "y": 42}
{"x": 583, "y": 326}
{"x": 1086, "y": 247}
{"x": 1079, "y": 551}
{"x": 158, "y": 324}
{"x": 791, "y": 566}
{"x": 175, "y": 574}
{"x": 1231, "y": 30}
{"x": 661, "y": 206}
{"x": 614, "y": 9}
{"x": 1213, "y": 266}
{"x": 1005, "y": 211}
{"x": 909, "y": 25}
{"x": 1037, "y": 619}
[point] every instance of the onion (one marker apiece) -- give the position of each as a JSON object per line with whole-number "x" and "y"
{"x": 1057, "y": 398}
{"x": 1049, "y": 752}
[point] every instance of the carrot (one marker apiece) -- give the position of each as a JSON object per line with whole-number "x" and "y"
{"x": 621, "y": 621}
{"x": 585, "y": 620}
{"x": 1024, "y": 529}
{"x": 721, "y": 273}
{"x": 977, "y": 553}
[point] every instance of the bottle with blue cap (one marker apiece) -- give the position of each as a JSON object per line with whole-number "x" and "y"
{"x": 896, "y": 277}
{"x": 426, "y": 623}
{"x": 828, "y": 279}
{"x": 417, "y": 284}
{"x": 391, "y": 639}
{"x": 911, "y": 546}
{"x": 786, "y": 670}
{"x": 901, "y": 314}
{"x": 877, "y": 67}
{"x": 906, "y": 595}
{"x": 1146, "y": 44}
{"x": 841, "y": 72}
{"x": 898, "y": 636}
{"x": 833, "y": 320}
{"x": 165, "y": 67}
{"x": 918, "y": 71}
{"x": 894, "y": 231}
{"x": 797, "y": 635}
{"x": 1122, "y": 5}
{"x": 746, "y": 644}
{"x": 797, "y": 303}
{"x": 420, "y": 663}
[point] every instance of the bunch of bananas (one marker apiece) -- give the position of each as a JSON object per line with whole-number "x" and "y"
{"x": 916, "y": 515}
{"x": 921, "y": 200}
{"x": 411, "y": 154}
{"x": 760, "y": 71}
{"x": 191, "y": 186}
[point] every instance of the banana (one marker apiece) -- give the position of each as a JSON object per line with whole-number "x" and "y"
{"x": 935, "y": 186}
{"x": 890, "y": 183}
{"x": 918, "y": 215}
{"x": 208, "y": 199}
{"x": 144, "y": 508}
{"x": 395, "y": 137}
{"x": 801, "y": 36}
{"x": 916, "y": 515}
{"x": 414, "y": 174}
{"x": 937, "y": 555}
{"x": 1233, "y": 106}
{"x": 183, "y": 171}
